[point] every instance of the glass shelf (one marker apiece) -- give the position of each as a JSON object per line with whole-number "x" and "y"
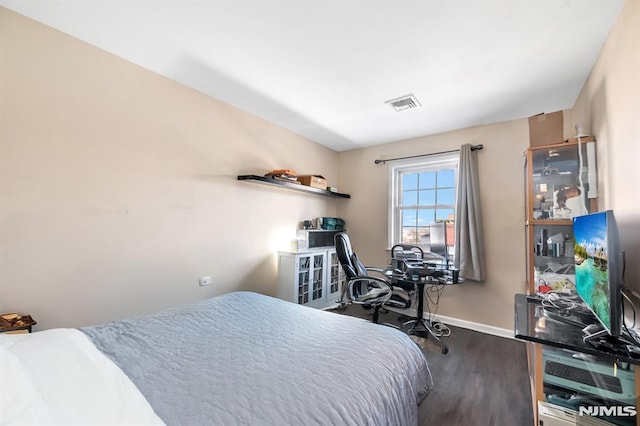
{"x": 535, "y": 324}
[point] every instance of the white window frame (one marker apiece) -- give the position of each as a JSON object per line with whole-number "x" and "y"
{"x": 435, "y": 162}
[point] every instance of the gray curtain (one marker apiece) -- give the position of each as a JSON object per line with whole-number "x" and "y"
{"x": 469, "y": 245}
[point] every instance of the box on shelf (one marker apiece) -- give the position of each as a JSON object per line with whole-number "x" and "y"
{"x": 332, "y": 223}
{"x": 546, "y": 129}
{"x": 314, "y": 181}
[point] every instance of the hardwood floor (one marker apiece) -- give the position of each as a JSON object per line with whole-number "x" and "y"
{"x": 482, "y": 381}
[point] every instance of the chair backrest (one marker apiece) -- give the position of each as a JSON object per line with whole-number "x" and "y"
{"x": 373, "y": 292}
{"x": 348, "y": 259}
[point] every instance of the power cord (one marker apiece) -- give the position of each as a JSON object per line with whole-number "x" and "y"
{"x": 433, "y": 294}
{"x": 557, "y": 301}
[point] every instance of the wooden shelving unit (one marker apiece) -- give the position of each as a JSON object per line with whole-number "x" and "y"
{"x": 548, "y": 169}
{"x": 293, "y": 186}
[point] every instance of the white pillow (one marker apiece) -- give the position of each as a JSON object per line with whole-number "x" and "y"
{"x": 59, "y": 377}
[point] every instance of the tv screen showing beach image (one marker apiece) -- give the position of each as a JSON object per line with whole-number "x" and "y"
{"x": 591, "y": 258}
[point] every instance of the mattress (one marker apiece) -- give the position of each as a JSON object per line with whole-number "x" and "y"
{"x": 248, "y": 359}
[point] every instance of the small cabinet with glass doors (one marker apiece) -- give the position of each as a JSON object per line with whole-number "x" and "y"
{"x": 312, "y": 278}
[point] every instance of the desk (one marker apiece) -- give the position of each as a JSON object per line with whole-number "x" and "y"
{"x": 533, "y": 325}
{"x": 546, "y": 333}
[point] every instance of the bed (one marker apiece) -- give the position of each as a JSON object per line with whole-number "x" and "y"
{"x": 237, "y": 359}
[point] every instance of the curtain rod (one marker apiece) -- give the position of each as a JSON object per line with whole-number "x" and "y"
{"x": 473, "y": 148}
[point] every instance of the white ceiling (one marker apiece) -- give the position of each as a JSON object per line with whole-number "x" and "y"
{"x": 323, "y": 68}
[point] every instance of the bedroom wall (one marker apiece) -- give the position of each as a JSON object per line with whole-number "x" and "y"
{"x": 609, "y": 105}
{"x": 502, "y": 187}
{"x": 118, "y": 186}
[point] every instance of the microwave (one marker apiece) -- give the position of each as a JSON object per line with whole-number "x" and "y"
{"x": 315, "y": 238}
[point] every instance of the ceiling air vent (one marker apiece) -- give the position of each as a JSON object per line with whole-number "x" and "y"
{"x": 404, "y": 103}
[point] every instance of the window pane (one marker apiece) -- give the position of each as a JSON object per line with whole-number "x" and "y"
{"x": 409, "y": 181}
{"x": 444, "y": 215}
{"x": 427, "y": 180}
{"x": 425, "y": 217}
{"x": 446, "y": 178}
{"x": 409, "y": 235}
{"x": 409, "y": 198}
{"x": 445, "y": 196}
{"x": 422, "y": 193}
{"x": 427, "y": 198}
{"x": 409, "y": 218}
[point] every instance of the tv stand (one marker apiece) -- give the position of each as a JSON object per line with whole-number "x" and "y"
{"x": 566, "y": 334}
{"x": 552, "y": 340}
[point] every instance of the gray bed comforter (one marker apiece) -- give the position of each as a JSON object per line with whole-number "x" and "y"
{"x": 249, "y": 359}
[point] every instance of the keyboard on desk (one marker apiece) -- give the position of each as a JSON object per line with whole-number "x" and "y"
{"x": 581, "y": 375}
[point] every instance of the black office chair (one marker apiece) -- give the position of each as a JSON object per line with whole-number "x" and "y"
{"x": 362, "y": 288}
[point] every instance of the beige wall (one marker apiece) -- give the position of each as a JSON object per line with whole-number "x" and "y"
{"x": 118, "y": 190}
{"x": 118, "y": 187}
{"x": 502, "y": 188}
{"x": 609, "y": 105}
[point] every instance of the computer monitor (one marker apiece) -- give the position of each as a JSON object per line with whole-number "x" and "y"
{"x": 438, "y": 238}
{"x": 597, "y": 262}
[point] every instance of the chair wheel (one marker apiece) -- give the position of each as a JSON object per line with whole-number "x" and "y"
{"x": 445, "y": 350}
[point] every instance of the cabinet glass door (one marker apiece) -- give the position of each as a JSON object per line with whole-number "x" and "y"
{"x": 303, "y": 279}
{"x": 318, "y": 277}
{"x": 561, "y": 182}
{"x": 591, "y": 381}
{"x": 554, "y": 264}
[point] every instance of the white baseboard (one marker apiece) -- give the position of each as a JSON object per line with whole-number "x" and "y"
{"x": 483, "y": 328}
{"x": 475, "y": 326}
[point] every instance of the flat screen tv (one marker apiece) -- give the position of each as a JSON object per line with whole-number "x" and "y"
{"x": 597, "y": 267}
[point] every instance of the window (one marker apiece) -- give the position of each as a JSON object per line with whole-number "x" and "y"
{"x": 422, "y": 192}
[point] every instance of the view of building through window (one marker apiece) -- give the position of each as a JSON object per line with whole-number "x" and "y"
{"x": 425, "y": 197}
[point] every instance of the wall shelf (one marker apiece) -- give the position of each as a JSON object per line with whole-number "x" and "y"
{"x": 293, "y": 186}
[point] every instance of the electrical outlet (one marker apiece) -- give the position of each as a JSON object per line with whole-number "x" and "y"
{"x": 203, "y": 281}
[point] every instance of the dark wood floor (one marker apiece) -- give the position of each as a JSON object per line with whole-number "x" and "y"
{"x": 482, "y": 381}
